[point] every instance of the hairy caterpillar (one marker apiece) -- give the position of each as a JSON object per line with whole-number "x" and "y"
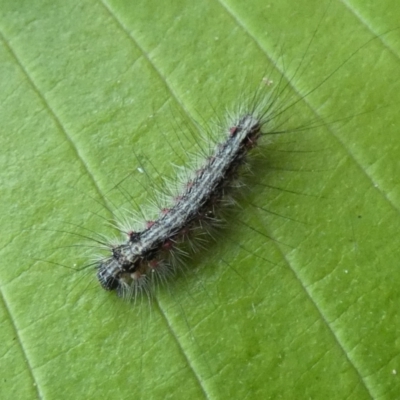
{"x": 194, "y": 208}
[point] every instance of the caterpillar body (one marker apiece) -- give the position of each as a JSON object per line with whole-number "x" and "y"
{"x": 148, "y": 255}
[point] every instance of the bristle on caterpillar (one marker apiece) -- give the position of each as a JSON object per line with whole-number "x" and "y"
{"x": 149, "y": 256}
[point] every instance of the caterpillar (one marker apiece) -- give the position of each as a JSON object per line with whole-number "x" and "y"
{"x": 150, "y": 254}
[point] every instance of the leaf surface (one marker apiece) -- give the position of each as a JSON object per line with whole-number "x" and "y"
{"x": 299, "y": 296}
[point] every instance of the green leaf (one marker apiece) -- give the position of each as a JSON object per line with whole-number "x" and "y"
{"x": 299, "y": 296}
